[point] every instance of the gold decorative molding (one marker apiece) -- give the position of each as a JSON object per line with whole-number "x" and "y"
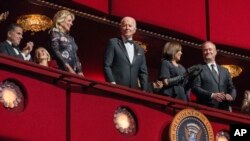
{"x": 233, "y": 70}
{"x": 143, "y": 45}
{"x": 34, "y": 22}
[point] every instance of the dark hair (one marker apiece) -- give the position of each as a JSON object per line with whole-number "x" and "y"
{"x": 170, "y": 49}
{"x": 11, "y": 27}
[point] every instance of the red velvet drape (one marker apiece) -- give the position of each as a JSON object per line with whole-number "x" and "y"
{"x": 228, "y": 20}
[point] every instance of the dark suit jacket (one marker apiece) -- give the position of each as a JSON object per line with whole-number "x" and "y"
{"x": 6, "y": 48}
{"x": 205, "y": 84}
{"x": 176, "y": 90}
{"x": 117, "y": 67}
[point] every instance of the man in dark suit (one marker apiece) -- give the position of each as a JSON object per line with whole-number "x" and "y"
{"x": 213, "y": 86}
{"x": 124, "y": 60}
{"x": 10, "y": 46}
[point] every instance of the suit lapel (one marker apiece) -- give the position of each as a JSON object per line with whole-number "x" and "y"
{"x": 136, "y": 51}
{"x": 122, "y": 46}
{"x": 210, "y": 72}
{"x": 11, "y": 51}
{"x": 220, "y": 72}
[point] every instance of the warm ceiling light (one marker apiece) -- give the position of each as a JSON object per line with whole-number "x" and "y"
{"x": 143, "y": 45}
{"x": 125, "y": 121}
{"x": 34, "y": 22}
{"x": 222, "y": 136}
{"x": 9, "y": 97}
{"x": 10, "y": 94}
{"x": 233, "y": 70}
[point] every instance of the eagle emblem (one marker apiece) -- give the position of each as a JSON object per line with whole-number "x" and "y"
{"x": 192, "y": 132}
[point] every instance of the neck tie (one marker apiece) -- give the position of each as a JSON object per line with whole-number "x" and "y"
{"x": 215, "y": 74}
{"x": 129, "y": 41}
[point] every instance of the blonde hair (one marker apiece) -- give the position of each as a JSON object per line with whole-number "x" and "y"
{"x": 60, "y": 17}
{"x": 36, "y": 58}
{"x": 170, "y": 49}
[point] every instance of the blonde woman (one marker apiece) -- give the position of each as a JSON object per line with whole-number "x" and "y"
{"x": 63, "y": 45}
{"x": 42, "y": 56}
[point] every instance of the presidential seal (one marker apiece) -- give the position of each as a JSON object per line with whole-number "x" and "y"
{"x": 190, "y": 125}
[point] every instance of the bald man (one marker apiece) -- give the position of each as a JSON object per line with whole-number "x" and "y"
{"x": 213, "y": 86}
{"x": 124, "y": 60}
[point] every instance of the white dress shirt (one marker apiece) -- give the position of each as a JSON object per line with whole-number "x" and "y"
{"x": 215, "y": 67}
{"x": 130, "y": 49}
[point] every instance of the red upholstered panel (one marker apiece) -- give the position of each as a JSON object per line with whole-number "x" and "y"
{"x": 43, "y": 119}
{"x": 230, "y": 22}
{"x": 92, "y": 119}
{"x": 89, "y": 113}
{"x": 185, "y": 16}
{"x": 219, "y": 126}
{"x": 101, "y": 5}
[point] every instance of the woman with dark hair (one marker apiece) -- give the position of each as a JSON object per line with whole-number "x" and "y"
{"x": 172, "y": 73}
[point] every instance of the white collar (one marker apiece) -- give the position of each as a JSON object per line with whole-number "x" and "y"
{"x": 124, "y": 38}
{"x": 214, "y": 63}
{"x": 9, "y": 42}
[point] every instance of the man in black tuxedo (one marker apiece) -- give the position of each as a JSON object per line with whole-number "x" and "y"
{"x": 124, "y": 60}
{"x": 10, "y": 46}
{"x": 213, "y": 86}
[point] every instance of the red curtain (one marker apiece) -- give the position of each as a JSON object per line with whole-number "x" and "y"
{"x": 228, "y": 21}
{"x": 183, "y": 16}
{"x": 101, "y": 5}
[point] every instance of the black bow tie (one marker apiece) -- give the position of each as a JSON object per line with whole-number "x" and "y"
{"x": 14, "y": 46}
{"x": 129, "y": 41}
